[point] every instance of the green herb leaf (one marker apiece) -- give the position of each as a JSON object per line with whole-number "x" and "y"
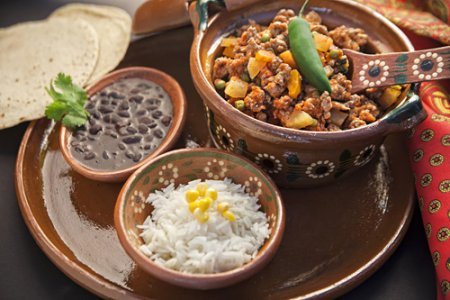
{"x": 68, "y": 102}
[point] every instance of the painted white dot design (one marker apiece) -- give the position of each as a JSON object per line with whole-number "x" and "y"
{"x": 434, "y": 72}
{"x": 369, "y": 81}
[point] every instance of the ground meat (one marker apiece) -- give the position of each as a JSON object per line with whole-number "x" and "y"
{"x": 326, "y": 105}
{"x": 340, "y": 87}
{"x": 255, "y": 99}
{"x": 313, "y": 18}
{"x": 277, "y": 84}
{"x": 268, "y": 97}
{"x": 279, "y": 43}
{"x": 221, "y": 67}
{"x": 332, "y": 127}
{"x": 277, "y": 28}
{"x": 365, "y": 111}
{"x": 274, "y": 64}
{"x": 320, "y": 29}
{"x": 340, "y": 106}
{"x": 350, "y": 38}
{"x": 284, "y": 15}
{"x": 237, "y": 66}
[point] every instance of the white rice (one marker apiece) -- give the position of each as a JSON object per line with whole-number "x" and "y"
{"x": 176, "y": 240}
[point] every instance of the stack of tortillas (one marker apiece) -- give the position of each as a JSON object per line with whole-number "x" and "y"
{"x": 80, "y": 40}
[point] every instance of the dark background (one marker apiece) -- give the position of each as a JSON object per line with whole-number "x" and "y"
{"x": 28, "y": 274}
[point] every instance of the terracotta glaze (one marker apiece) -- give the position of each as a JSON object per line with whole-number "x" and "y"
{"x": 188, "y": 165}
{"x": 296, "y": 158}
{"x": 335, "y": 236}
{"x": 176, "y": 94}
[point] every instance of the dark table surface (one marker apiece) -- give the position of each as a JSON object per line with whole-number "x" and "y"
{"x": 28, "y": 274}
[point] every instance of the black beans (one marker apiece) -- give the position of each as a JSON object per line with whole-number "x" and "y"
{"x": 89, "y": 156}
{"x": 158, "y": 133}
{"x": 105, "y": 109}
{"x": 124, "y": 114}
{"x": 157, "y": 114}
{"x": 129, "y": 154}
{"x": 116, "y": 95}
{"x": 166, "y": 120}
{"x": 124, "y": 105}
{"x": 132, "y": 139}
{"x": 131, "y": 130}
{"x": 142, "y": 128}
{"x": 95, "y": 129}
{"x": 127, "y": 122}
{"x": 137, "y": 99}
{"x": 141, "y": 112}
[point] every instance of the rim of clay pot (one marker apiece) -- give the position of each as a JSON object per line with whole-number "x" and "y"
{"x": 173, "y": 89}
{"x": 201, "y": 281}
{"x": 409, "y": 104}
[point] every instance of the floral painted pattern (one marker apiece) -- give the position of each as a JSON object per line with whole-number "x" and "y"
{"x": 269, "y": 163}
{"x": 138, "y": 201}
{"x": 365, "y": 156}
{"x": 224, "y": 138}
{"x": 320, "y": 169}
{"x": 253, "y": 186}
{"x": 168, "y": 174}
{"x": 215, "y": 169}
{"x": 374, "y": 73}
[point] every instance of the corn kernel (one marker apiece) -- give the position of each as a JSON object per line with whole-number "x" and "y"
{"x": 193, "y": 205}
{"x": 204, "y": 203}
{"x": 229, "y": 216}
{"x": 191, "y": 195}
{"x": 211, "y": 193}
{"x": 202, "y": 217}
{"x": 201, "y": 188}
{"x": 223, "y": 207}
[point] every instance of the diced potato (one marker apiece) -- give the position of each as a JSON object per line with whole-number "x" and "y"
{"x": 228, "y": 42}
{"x": 338, "y": 117}
{"x": 236, "y": 88}
{"x": 390, "y": 96}
{"x": 254, "y": 67}
{"x": 264, "y": 55}
{"x": 229, "y": 52}
{"x": 323, "y": 42}
{"x": 300, "y": 119}
{"x": 294, "y": 84}
{"x": 288, "y": 58}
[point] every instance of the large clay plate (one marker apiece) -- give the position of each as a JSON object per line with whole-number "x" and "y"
{"x": 336, "y": 236}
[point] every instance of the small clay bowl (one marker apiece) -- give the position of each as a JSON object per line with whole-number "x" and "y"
{"x": 176, "y": 94}
{"x": 298, "y": 158}
{"x": 180, "y": 167}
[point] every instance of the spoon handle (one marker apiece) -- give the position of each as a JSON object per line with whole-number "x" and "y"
{"x": 399, "y": 67}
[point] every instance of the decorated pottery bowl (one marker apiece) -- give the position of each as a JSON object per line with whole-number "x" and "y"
{"x": 181, "y": 167}
{"x": 296, "y": 158}
{"x": 117, "y": 173}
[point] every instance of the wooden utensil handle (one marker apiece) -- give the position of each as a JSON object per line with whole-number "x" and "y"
{"x": 399, "y": 68}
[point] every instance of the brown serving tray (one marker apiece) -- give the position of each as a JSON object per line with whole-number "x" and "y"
{"x": 336, "y": 236}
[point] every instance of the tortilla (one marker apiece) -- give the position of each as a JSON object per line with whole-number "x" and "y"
{"x": 32, "y": 54}
{"x": 113, "y": 27}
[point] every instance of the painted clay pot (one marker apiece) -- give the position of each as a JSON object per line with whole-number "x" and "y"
{"x": 180, "y": 167}
{"x": 296, "y": 158}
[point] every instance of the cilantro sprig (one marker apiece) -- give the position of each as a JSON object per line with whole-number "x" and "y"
{"x": 68, "y": 102}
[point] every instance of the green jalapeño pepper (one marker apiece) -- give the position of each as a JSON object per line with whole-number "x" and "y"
{"x": 305, "y": 54}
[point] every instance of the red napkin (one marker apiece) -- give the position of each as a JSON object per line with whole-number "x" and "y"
{"x": 430, "y": 160}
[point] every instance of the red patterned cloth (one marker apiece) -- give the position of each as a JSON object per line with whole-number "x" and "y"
{"x": 430, "y": 159}
{"x": 414, "y": 15}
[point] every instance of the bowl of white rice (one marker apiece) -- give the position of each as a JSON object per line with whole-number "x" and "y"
{"x": 200, "y": 218}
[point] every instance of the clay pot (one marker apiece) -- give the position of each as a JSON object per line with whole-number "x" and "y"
{"x": 296, "y": 158}
{"x": 181, "y": 167}
{"x": 176, "y": 94}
